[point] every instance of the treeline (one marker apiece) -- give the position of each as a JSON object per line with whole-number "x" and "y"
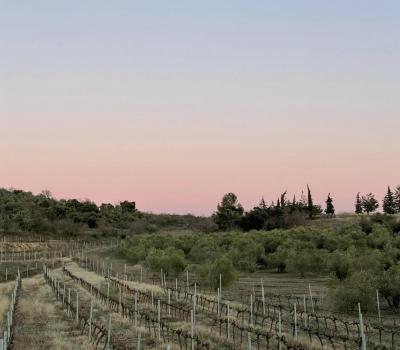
{"x": 22, "y": 211}
{"x": 361, "y": 255}
{"x": 285, "y": 213}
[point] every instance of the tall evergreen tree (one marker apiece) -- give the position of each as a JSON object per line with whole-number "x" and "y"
{"x": 263, "y": 205}
{"x": 310, "y": 204}
{"x": 397, "y": 199}
{"x": 389, "y": 204}
{"x": 283, "y": 199}
{"x": 303, "y": 199}
{"x": 358, "y": 205}
{"x": 330, "y": 209}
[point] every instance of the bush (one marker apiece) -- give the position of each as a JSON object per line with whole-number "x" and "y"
{"x": 305, "y": 260}
{"x": 171, "y": 261}
{"x": 210, "y": 272}
{"x": 339, "y": 263}
{"x": 360, "y": 287}
{"x": 390, "y": 287}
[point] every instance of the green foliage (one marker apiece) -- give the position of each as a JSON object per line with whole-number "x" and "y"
{"x": 210, "y": 271}
{"x": 278, "y": 259}
{"x": 330, "y": 209}
{"x": 43, "y": 214}
{"x": 397, "y": 199}
{"x": 389, "y": 204}
{"x": 304, "y": 260}
{"x": 358, "y": 205}
{"x": 339, "y": 263}
{"x": 369, "y": 203}
{"x": 390, "y": 286}
{"x": 171, "y": 260}
{"x": 245, "y": 253}
{"x": 229, "y": 212}
{"x": 359, "y": 287}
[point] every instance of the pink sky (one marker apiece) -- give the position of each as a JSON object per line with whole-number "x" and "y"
{"x": 174, "y": 105}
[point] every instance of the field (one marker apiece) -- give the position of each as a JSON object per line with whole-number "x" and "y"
{"x": 75, "y": 295}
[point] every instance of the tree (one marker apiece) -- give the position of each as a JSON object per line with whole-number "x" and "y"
{"x": 330, "y": 209}
{"x": 397, "y": 199}
{"x": 229, "y": 212}
{"x": 369, "y": 203}
{"x": 262, "y": 204}
{"x": 312, "y": 209}
{"x": 389, "y": 204}
{"x": 358, "y": 205}
{"x": 310, "y": 205}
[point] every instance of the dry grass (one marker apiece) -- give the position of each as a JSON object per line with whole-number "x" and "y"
{"x": 41, "y": 323}
{"x": 5, "y": 298}
{"x": 20, "y": 246}
{"x": 96, "y": 279}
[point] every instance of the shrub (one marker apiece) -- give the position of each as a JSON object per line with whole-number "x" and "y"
{"x": 171, "y": 261}
{"x": 359, "y": 287}
{"x": 210, "y": 272}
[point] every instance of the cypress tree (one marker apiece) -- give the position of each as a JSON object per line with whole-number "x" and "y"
{"x": 397, "y": 199}
{"x": 358, "y": 205}
{"x": 283, "y": 199}
{"x": 389, "y": 205}
{"x": 262, "y": 204}
{"x": 310, "y": 204}
{"x": 330, "y": 209}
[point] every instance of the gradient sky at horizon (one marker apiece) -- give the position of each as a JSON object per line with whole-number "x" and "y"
{"x": 174, "y": 103}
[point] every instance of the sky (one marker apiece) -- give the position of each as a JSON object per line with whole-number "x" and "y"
{"x": 172, "y": 104}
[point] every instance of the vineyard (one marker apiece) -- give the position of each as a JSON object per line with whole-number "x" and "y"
{"x": 64, "y": 295}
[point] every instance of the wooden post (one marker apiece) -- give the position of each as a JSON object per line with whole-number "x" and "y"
{"x": 176, "y": 289}
{"x": 228, "y": 325}
{"x": 194, "y": 305}
{"x": 305, "y": 310}
{"x": 141, "y": 273}
{"x": 263, "y": 297}
{"x": 378, "y": 305}
{"x": 138, "y": 342}
{"x": 69, "y": 302}
{"x": 295, "y": 321}
{"x": 77, "y": 306}
{"x": 362, "y": 335}
{"x": 90, "y": 319}
{"x": 187, "y": 281}
{"x": 108, "y": 292}
{"x": 120, "y": 301}
{"x": 192, "y": 328}
{"x": 220, "y": 287}
{"x": 109, "y": 333}
{"x": 251, "y": 309}
{"x": 311, "y": 299}
{"x": 169, "y": 302}
{"x": 159, "y": 318}
{"x": 248, "y": 340}
{"x": 218, "y": 301}
{"x": 162, "y": 277}
{"x": 136, "y": 307}
{"x": 279, "y": 330}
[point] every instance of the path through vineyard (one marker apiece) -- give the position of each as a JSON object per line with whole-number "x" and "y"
{"x": 41, "y": 323}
